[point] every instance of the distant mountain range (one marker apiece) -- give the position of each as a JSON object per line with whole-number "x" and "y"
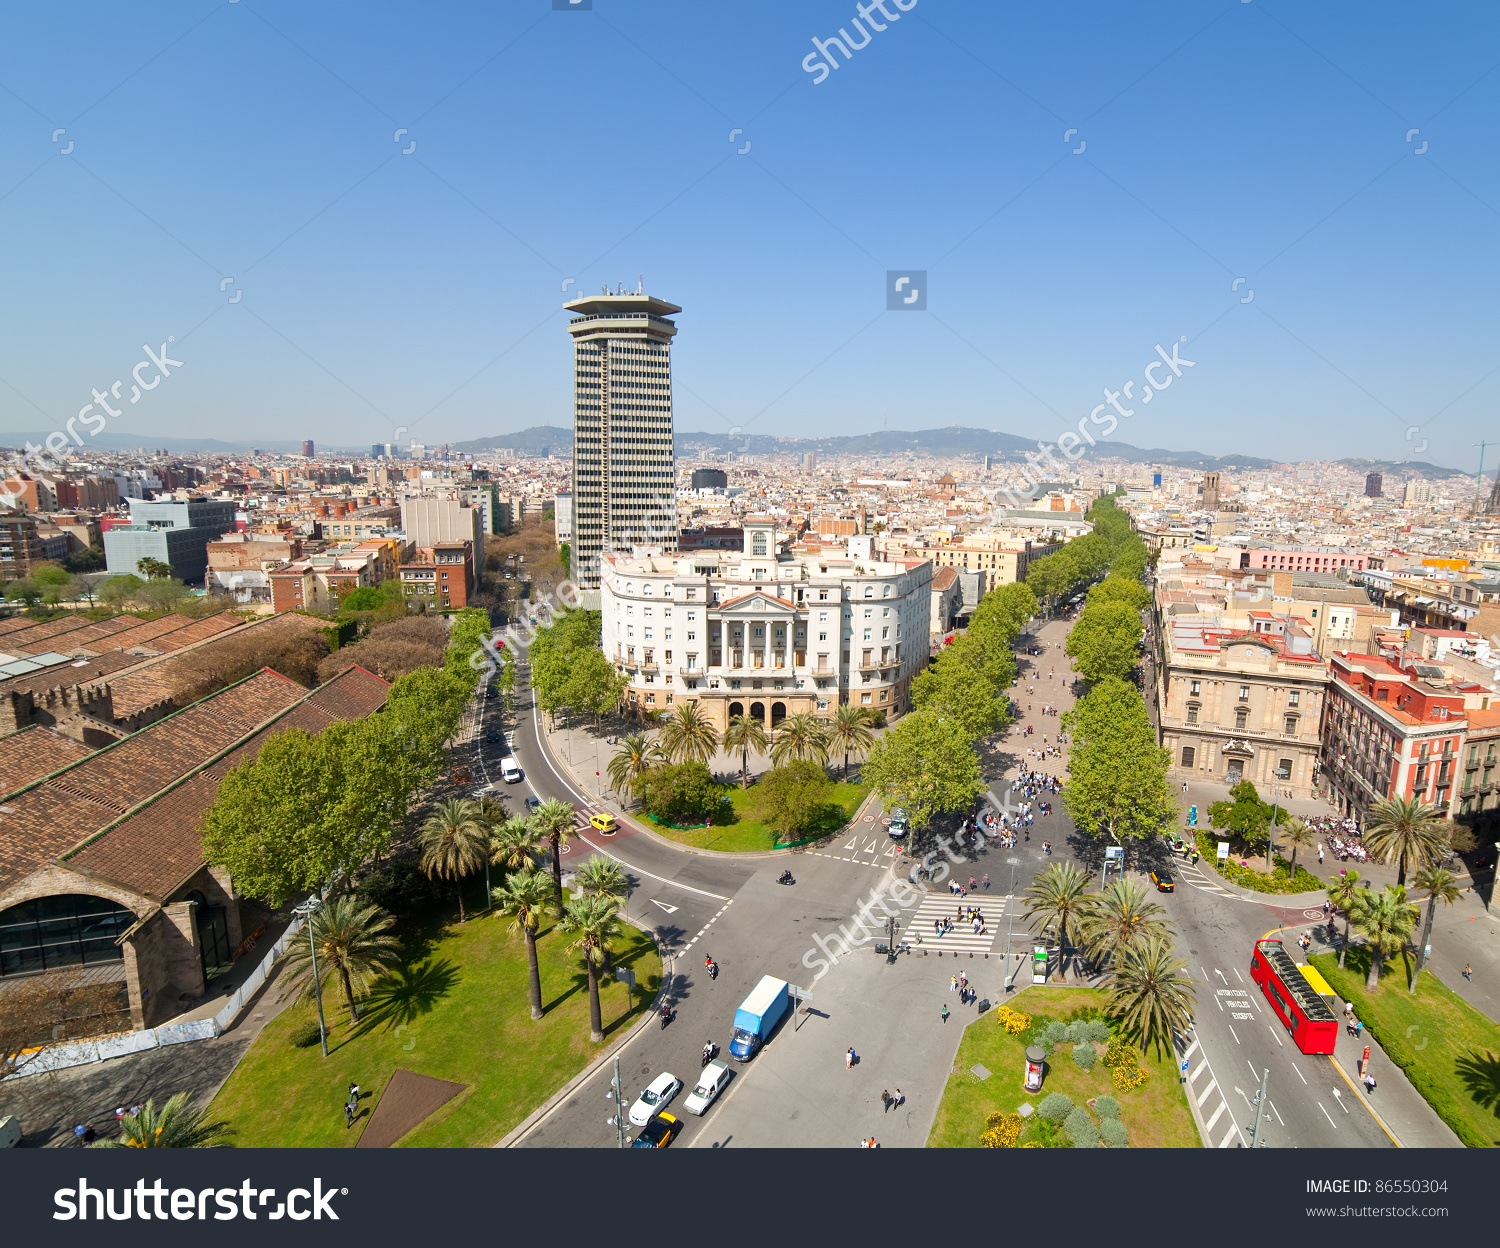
{"x": 952, "y": 440}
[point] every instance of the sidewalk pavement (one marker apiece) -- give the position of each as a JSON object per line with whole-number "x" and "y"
{"x": 1398, "y": 1106}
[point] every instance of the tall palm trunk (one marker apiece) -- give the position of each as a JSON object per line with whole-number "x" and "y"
{"x": 745, "y": 769}
{"x": 1401, "y": 872}
{"x": 1377, "y": 964}
{"x": 349, "y": 994}
{"x": 557, "y": 871}
{"x": 1426, "y": 936}
{"x": 458, "y": 887}
{"x": 1344, "y": 948}
{"x": 536, "y": 975}
{"x": 596, "y": 1017}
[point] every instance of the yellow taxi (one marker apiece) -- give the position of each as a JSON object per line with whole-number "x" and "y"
{"x": 658, "y": 1133}
{"x": 604, "y": 822}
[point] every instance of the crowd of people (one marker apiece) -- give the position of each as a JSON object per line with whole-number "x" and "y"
{"x": 1341, "y": 836}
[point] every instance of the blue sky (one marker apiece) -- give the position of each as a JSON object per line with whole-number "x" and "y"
{"x": 385, "y": 289}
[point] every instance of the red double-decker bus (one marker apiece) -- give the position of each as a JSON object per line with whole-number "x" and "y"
{"x": 1303, "y": 1012}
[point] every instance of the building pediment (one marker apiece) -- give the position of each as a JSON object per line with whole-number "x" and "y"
{"x": 755, "y": 604}
{"x": 1242, "y": 748}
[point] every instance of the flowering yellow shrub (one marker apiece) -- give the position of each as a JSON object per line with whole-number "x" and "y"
{"x": 1127, "y": 1077}
{"x": 1004, "y": 1130}
{"x": 1013, "y": 1021}
{"x": 1032, "y": 1144}
{"x": 1119, "y": 1054}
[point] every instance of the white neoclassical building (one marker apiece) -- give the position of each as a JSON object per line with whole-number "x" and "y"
{"x": 765, "y": 632}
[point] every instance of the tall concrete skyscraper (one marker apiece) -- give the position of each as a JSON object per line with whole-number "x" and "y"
{"x": 624, "y": 481}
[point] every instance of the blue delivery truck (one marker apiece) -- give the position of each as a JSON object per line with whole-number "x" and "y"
{"x": 757, "y": 1016}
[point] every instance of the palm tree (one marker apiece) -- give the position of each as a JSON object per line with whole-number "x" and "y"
{"x": 454, "y": 842}
{"x": 1152, "y": 996}
{"x": 349, "y": 935}
{"x": 517, "y": 844}
{"x": 177, "y": 1124}
{"x": 633, "y": 762}
{"x": 602, "y": 877}
{"x": 1439, "y": 885}
{"x": 1342, "y": 892}
{"x": 1386, "y": 920}
{"x": 1296, "y": 833}
{"x": 1405, "y": 829}
{"x": 1117, "y": 916}
{"x": 745, "y": 733}
{"x": 555, "y": 821}
{"x": 526, "y": 897}
{"x": 594, "y": 921}
{"x": 687, "y": 736}
{"x": 849, "y": 732}
{"x": 802, "y": 736}
{"x": 1058, "y": 897}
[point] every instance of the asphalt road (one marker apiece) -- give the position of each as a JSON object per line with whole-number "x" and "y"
{"x": 733, "y": 909}
{"x": 1239, "y": 1035}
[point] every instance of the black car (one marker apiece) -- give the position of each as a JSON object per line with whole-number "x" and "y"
{"x": 658, "y": 1133}
{"x": 1162, "y": 878}
{"x": 492, "y": 735}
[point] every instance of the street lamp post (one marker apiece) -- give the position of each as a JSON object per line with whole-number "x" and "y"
{"x": 305, "y": 912}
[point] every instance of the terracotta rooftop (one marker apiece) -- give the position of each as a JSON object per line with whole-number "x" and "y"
{"x": 943, "y": 578}
{"x": 157, "y": 847}
{"x": 51, "y": 816}
{"x": 34, "y": 752}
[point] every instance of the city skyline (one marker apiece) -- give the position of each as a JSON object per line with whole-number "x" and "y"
{"x": 376, "y": 231}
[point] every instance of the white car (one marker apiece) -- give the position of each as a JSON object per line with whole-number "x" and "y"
{"x": 710, "y": 1083}
{"x": 655, "y": 1098}
{"x": 510, "y": 771}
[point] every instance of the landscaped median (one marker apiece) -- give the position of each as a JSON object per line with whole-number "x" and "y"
{"x": 1281, "y": 879}
{"x": 458, "y": 1009}
{"x": 743, "y": 828}
{"x": 1448, "y": 1049}
{"x": 1102, "y": 1081}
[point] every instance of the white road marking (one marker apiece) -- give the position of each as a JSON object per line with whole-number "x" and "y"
{"x": 1275, "y": 1111}
{"x": 1220, "y": 974}
{"x": 1220, "y": 1004}
{"x": 1218, "y": 1113}
{"x": 1212, "y": 1084}
{"x": 1229, "y": 1135}
{"x": 1331, "y": 1122}
{"x": 1253, "y": 1074}
{"x": 1191, "y": 1049}
{"x": 1300, "y": 1075}
{"x": 1245, "y": 1095}
{"x": 1237, "y": 974}
{"x": 702, "y": 892}
{"x": 1233, "y": 1033}
{"x": 1272, "y": 1030}
{"x": 664, "y": 906}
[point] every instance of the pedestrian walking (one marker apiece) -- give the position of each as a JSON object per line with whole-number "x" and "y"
{"x": 900, "y": 1098}
{"x": 89, "y": 1136}
{"x": 885, "y": 1099}
{"x": 119, "y": 1115}
{"x": 348, "y": 1114}
{"x": 78, "y": 1133}
{"x": 971, "y": 883}
{"x": 1468, "y": 972}
{"x": 849, "y": 1059}
{"x": 986, "y": 881}
{"x": 945, "y": 1013}
{"x": 1369, "y": 1082}
{"x": 953, "y": 983}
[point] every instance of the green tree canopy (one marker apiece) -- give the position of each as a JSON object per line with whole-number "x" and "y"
{"x": 1104, "y": 640}
{"x": 1117, "y": 787}
{"x": 682, "y": 793}
{"x": 793, "y": 797}
{"x": 1123, "y": 589}
{"x": 924, "y": 765}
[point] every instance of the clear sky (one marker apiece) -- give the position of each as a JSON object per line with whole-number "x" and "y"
{"x": 385, "y": 288}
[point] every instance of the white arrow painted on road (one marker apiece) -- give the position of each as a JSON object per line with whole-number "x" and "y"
{"x": 664, "y": 906}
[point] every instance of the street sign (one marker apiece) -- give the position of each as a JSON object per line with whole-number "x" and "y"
{"x": 1193, "y": 815}
{"x": 1223, "y": 850}
{"x": 1114, "y": 852}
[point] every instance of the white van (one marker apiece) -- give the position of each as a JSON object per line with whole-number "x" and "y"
{"x": 510, "y": 771}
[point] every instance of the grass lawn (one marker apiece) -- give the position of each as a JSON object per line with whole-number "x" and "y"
{"x": 747, "y": 834}
{"x": 1156, "y": 1114}
{"x": 1448, "y": 1049}
{"x": 459, "y": 1010}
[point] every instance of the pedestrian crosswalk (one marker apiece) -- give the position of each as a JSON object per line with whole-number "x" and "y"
{"x": 939, "y": 905}
{"x": 1195, "y": 878}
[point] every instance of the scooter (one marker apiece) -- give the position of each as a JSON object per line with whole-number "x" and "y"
{"x": 712, "y": 967}
{"x": 786, "y": 878}
{"x": 710, "y": 1051}
{"x": 666, "y": 1016}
